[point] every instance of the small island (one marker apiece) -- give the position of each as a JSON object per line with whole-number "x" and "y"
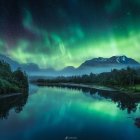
{"x": 12, "y": 82}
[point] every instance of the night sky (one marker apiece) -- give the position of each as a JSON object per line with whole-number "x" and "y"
{"x": 59, "y": 33}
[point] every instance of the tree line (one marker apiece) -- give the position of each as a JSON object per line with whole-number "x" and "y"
{"x": 12, "y": 81}
{"x": 123, "y": 77}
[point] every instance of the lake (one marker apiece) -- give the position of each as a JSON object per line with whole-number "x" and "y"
{"x": 56, "y": 113}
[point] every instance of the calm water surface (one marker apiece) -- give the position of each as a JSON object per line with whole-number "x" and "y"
{"x": 53, "y": 113}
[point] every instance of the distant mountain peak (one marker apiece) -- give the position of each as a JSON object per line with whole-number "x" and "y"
{"x": 14, "y": 64}
{"x": 8, "y": 60}
{"x": 68, "y": 68}
{"x": 95, "y": 65}
{"x": 114, "y": 60}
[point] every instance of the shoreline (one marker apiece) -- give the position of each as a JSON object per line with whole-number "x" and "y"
{"x": 9, "y": 95}
{"x": 96, "y": 87}
{"x": 104, "y": 88}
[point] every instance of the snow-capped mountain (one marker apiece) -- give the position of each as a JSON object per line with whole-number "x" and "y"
{"x": 95, "y": 65}
{"x": 114, "y": 60}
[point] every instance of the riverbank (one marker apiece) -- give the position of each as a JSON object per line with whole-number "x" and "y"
{"x": 78, "y": 85}
{"x": 122, "y": 90}
{"x": 132, "y": 91}
{"x": 9, "y": 95}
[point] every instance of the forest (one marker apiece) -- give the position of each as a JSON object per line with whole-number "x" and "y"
{"x": 12, "y": 81}
{"x": 128, "y": 77}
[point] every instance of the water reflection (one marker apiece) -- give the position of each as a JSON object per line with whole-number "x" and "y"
{"x": 14, "y": 102}
{"x": 137, "y": 122}
{"x": 124, "y": 101}
{"x": 56, "y": 113}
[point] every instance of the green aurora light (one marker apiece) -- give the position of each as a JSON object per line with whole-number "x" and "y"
{"x": 75, "y": 43}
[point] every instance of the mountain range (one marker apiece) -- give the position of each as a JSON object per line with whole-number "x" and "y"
{"x": 95, "y": 65}
{"x": 114, "y": 60}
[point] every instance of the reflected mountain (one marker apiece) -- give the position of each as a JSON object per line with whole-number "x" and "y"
{"x": 123, "y": 101}
{"x": 15, "y": 102}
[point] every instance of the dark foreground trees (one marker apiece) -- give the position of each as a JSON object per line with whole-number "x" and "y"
{"x": 20, "y": 79}
{"x": 12, "y": 82}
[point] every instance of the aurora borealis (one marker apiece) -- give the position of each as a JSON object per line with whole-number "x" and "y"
{"x": 59, "y": 33}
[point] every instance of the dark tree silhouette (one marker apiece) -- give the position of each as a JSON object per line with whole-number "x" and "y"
{"x": 12, "y": 82}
